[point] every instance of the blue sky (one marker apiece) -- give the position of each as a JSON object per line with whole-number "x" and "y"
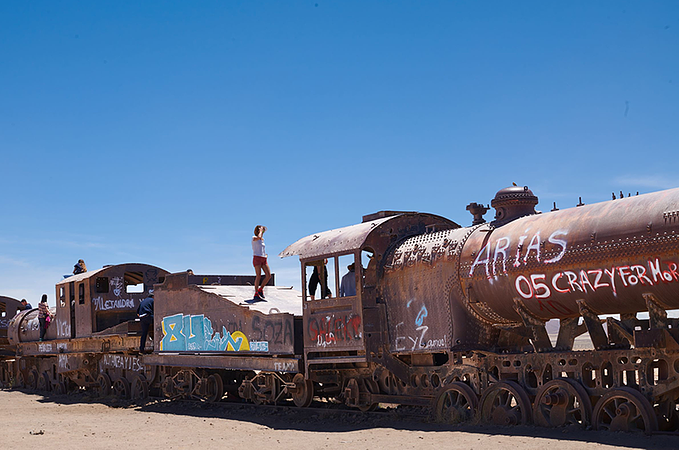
{"x": 162, "y": 132}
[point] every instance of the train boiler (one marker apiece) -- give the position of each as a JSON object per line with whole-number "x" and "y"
{"x": 456, "y": 316}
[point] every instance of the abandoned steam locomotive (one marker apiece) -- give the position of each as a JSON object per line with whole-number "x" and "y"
{"x": 444, "y": 316}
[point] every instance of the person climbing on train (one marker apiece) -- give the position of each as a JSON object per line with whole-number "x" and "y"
{"x": 259, "y": 261}
{"x": 43, "y": 313}
{"x": 80, "y": 267}
{"x": 25, "y": 305}
{"x": 145, "y": 313}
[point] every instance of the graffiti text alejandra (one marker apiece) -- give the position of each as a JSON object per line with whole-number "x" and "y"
{"x": 540, "y": 286}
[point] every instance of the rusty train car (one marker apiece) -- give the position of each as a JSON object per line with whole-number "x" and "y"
{"x": 90, "y": 341}
{"x": 433, "y": 314}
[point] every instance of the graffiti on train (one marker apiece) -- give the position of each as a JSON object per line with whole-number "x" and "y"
{"x": 334, "y": 329}
{"x": 542, "y": 286}
{"x": 101, "y": 304}
{"x": 127, "y": 362}
{"x": 195, "y": 333}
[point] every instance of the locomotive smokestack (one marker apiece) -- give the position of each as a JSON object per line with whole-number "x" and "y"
{"x": 513, "y": 202}
{"x": 477, "y": 211}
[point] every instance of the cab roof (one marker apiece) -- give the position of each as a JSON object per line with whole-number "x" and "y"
{"x": 351, "y": 238}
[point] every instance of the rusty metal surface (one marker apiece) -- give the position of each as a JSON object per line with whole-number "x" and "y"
{"x": 25, "y": 327}
{"x": 93, "y": 301}
{"x": 101, "y": 344}
{"x": 608, "y": 255}
{"x": 332, "y": 325}
{"x": 336, "y": 324}
{"x": 231, "y": 362}
{"x": 347, "y": 239}
{"x": 8, "y": 309}
{"x": 278, "y": 299}
{"x": 416, "y": 287}
{"x": 226, "y": 280}
{"x": 190, "y": 318}
{"x": 333, "y": 241}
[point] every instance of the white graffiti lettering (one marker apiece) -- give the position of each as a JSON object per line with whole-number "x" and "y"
{"x": 587, "y": 281}
{"x": 116, "y": 285}
{"x": 63, "y": 329}
{"x": 113, "y": 361}
{"x": 119, "y": 303}
{"x": 535, "y": 248}
{"x": 284, "y": 367}
{"x": 45, "y": 347}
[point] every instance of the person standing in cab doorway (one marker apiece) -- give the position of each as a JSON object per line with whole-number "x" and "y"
{"x": 259, "y": 262}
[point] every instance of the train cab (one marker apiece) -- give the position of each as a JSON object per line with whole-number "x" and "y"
{"x": 344, "y": 318}
{"x": 8, "y": 308}
{"x": 94, "y": 301}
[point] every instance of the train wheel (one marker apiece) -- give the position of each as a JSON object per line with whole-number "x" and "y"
{"x": 32, "y": 380}
{"x": 60, "y": 388}
{"x": 562, "y": 402}
{"x": 456, "y": 403}
{"x": 20, "y": 381}
{"x": 44, "y": 382}
{"x": 214, "y": 388}
{"x": 371, "y": 386}
{"x": 624, "y": 409}
{"x": 303, "y": 393}
{"x": 103, "y": 385}
{"x": 140, "y": 389}
{"x": 167, "y": 387}
{"x": 121, "y": 389}
{"x": 505, "y": 403}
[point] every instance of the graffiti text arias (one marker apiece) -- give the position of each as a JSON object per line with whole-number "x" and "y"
{"x": 499, "y": 251}
{"x": 614, "y": 278}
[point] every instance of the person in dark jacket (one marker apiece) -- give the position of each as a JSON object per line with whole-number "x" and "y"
{"x": 145, "y": 313}
{"x": 25, "y": 304}
{"x": 315, "y": 280}
{"x": 79, "y": 267}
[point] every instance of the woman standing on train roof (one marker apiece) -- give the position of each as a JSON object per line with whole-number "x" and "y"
{"x": 259, "y": 262}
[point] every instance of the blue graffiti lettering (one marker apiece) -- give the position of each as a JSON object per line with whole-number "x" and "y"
{"x": 195, "y": 333}
{"x": 420, "y": 316}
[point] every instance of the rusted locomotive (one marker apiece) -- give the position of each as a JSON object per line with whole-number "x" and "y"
{"x": 455, "y": 317}
{"x": 427, "y": 313}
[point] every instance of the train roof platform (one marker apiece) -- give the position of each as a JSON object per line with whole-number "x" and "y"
{"x": 278, "y": 298}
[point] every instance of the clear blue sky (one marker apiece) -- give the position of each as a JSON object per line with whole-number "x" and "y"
{"x": 162, "y": 132}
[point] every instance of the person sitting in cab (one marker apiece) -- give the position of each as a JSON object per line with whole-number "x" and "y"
{"x": 348, "y": 285}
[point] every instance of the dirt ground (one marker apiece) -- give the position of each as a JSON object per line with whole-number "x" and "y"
{"x": 67, "y": 422}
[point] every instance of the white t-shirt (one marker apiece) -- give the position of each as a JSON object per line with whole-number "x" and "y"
{"x": 258, "y": 247}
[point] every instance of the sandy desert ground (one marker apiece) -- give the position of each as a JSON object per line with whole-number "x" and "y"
{"x": 31, "y": 421}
